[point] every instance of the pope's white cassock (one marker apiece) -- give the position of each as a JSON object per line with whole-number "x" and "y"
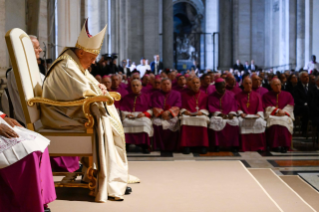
{"x": 68, "y": 81}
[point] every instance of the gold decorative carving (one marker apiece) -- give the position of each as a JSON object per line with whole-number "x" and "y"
{"x": 93, "y": 182}
{"x": 117, "y": 96}
{"x": 92, "y": 51}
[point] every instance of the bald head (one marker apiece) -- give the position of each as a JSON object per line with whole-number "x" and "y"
{"x": 275, "y": 85}
{"x": 247, "y": 83}
{"x": 195, "y": 84}
{"x": 256, "y": 81}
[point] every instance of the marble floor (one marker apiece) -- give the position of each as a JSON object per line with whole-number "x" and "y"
{"x": 302, "y": 160}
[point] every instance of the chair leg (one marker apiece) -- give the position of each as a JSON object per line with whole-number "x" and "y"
{"x": 91, "y": 173}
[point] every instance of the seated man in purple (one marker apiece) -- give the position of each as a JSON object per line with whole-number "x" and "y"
{"x": 181, "y": 83}
{"x": 279, "y": 107}
{"x": 206, "y": 84}
{"x": 231, "y": 84}
{"x": 26, "y": 180}
{"x": 146, "y": 83}
{"x": 194, "y": 119}
{"x": 166, "y": 105}
{"x": 136, "y": 113}
{"x": 251, "y": 119}
{"x": 224, "y": 125}
{"x": 116, "y": 87}
{"x": 256, "y": 80}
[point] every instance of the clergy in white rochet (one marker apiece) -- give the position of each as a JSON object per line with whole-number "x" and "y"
{"x": 279, "y": 114}
{"x": 251, "y": 118}
{"x": 194, "y": 118}
{"x": 69, "y": 79}
{"x": 136, "y": 110}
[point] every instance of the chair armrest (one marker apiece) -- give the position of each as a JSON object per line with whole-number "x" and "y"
{"x": 85, "y": 103}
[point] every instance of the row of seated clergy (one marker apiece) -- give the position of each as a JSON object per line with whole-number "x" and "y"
{"x": 63, "y": 164}
{"x": 26, "y": 180}
{"x": 224, "y": 127}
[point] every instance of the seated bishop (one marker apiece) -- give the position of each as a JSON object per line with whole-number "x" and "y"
{"x": 116, "y": 87}
{"x": 194, "y": 119}
{"x": 68, "y": 79}
{"x": 251, "y": 118}
{"x": 206, "y": 84}
{"x": 166, "y": 105}
{"x": 224, "y": 125}
{"x": 180, "y": 84}
{"x": 256, "y": 80}
{"x": 26, "y": 181}
{"x": 136, "y": 111}
{"x": 279, "y": 107}
{"x": 231, "y": 84}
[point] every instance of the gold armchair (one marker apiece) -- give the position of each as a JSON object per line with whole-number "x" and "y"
{"x": 62, "y": 142}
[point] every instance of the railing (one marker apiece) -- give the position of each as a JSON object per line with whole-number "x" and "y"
{"x": 275, "y": 68}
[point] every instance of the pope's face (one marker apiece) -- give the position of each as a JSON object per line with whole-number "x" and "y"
{"x": 37, "y": 48}
{"x": 86, "y": 59}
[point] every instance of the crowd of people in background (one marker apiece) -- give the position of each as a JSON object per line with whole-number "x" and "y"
{"x": 243, "y": 109}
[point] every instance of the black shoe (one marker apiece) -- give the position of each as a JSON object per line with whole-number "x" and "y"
{"x": 146, "y": 151}
{"x": 278, "y": 149}
{"x": 203, "y": 150}
{"x": 114, "y": 199}
{"x": 217, "y": 149}
{"x": 284, "y": 150}
{"x": 47, "y": 210}
{"x": 186, "y": 150}
{"x": 235, "y": 150}
{"x": 128, "y": 190}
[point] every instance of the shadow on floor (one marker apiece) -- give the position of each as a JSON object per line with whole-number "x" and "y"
{"x": 74, "y": 194}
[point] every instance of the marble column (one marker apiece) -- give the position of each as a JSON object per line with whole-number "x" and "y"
{"x": 135, "y": 30}
{"x": 122, "y": 31}
{"x": 168, "y": 36}
{"x": 225, "y": 34}
{"x": 308, "y": 29}
{"x": 268, "y": 38}
{"x": 68, "y": 22}
{"x": 43, "y": 26}
{"x": 98, "y": 16}
{"x": 211, "y": 14}
{"x": 3, "y": 50}
{"x": 151, "y": 38}
{"x": 315, "y": 30}
{"x": 300, "y": 34}
{"x": 33, "y": 12}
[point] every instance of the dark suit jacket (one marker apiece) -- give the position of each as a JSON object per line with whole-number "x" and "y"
{"x": 128, "y": 71}
{"x": 160, "y": 67}
{"x": 300, "y": 97}
{"x": 239, "y": 67}
{"x": 313, "y": 101}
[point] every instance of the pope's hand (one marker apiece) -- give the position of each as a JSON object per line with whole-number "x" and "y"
{"x": 7, "y": 131}
{"x": 103, "y": 88}
{"x": 12, "y": 122}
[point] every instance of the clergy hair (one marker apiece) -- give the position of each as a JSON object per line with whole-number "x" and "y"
{"x": 33, "y": 37}
{"x": 301, "y": 73}
{"x": 136, "y": 80}
{"x": 164, "y": 79}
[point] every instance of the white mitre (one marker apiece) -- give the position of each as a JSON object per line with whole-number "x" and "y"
{"x": 89, "y": 43}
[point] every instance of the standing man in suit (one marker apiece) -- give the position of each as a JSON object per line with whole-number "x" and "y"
{"x": 156, "y": 65}
{"x": 238, "y": 66}
{"x": 124, "y": 69}
{"x": 300, "y": 94}
{"x": 252, "y": 66}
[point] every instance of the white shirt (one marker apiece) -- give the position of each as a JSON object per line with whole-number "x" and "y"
{"x": 311, "y": 66}
{"x": 142, "y": 69}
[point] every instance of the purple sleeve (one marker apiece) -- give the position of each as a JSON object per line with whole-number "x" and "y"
{"x": 212, "y": 108}
{"x": 178, "y": 102}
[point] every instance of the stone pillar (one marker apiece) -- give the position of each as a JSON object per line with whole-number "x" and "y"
{"x": 315, "y": 30}
{"x": 168, "y": 36}
{"x": 291, "y": 33}
{"x": 33, "y": 13}
{"x": 113, "y": 26}
{"x": 122, "y": 31}
{"x": 211, "y": 14}
{"x": 308, "y": 29}
{"x": 225, "y": 34}
{"x": 68, "y": 22}
{"x": 151, "y": 38}
{"x": 43, "y": 26}
{"x": 3, "y": 50}
{"x": 97, "y": 13}
{"x": 300, "y": 34}
{"x": 135, "y": 30}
